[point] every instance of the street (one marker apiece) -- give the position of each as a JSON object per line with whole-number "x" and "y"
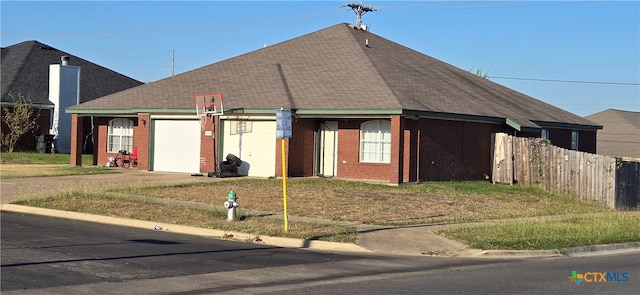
{"x": 44, "y": 255}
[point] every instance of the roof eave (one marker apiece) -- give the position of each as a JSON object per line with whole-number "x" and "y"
{"x": 573, "y": 126}
{"x": 461, "y": 117}
{"x": 126, "y": 111}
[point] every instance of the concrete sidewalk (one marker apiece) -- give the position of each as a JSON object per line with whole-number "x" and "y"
{"x": 406, "y": 240}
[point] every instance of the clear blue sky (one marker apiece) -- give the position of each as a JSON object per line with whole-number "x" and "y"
{"x": 594, "y": 44}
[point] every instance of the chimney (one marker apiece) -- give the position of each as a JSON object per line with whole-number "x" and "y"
{"x": 64, "y": 91}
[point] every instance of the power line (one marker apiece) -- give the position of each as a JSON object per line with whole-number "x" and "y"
{"x": 622, "y": 64}
{"x": 470, "y": 5}
{"x": 566, "y": 81}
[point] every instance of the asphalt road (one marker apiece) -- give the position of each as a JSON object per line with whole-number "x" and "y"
{"x": 44, "y": 255}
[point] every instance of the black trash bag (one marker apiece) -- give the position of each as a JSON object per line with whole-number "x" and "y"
{"x": 228, "y": 166}
{"x": 234, "y": 159}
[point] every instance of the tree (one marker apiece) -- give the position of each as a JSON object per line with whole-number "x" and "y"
{"x": 20, "y": 119}
{"x": 479, "y": 73}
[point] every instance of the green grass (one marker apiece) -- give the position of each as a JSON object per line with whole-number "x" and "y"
{"x": 550, "y": 233}
{"x": 37, "y": 158}
{"x": 21, "y": 165}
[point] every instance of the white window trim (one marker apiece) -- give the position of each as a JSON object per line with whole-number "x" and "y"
{"x": 122, "y": 129}
{"x": 575, "y": 139}
{"x": 381, "y": 145}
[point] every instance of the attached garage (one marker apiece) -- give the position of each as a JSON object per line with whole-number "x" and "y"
{"x": 254, "y": 142}
{"x": 175, "y": 146}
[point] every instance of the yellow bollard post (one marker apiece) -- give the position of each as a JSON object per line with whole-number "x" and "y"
{"x": 284, "y": 188}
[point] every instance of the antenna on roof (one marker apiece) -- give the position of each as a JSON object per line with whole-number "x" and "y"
{"x": 360, "y": 10}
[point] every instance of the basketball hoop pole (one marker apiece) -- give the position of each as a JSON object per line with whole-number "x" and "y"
{"x": 208, "y": 106}
{"x": 215, "y": 149}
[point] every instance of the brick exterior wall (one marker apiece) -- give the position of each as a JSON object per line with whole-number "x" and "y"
{"x": 431, "y": 150}
{"x": 587, "y": 141}
{"x": 396, "y": 167}
{"x": 278, "y": 155}
{"x": 301, "y": 156}
{"x": 207, "y": 156}
{"x": 425, "y": 149}
{"x": 76, "y": 140}
{"x": 411, "y": 148}
{"x": 455, "y": 150}
{"x": 27, "y": 142}
{"x": 562, "y": 138}
{"x": 141, "y": 139}
{"x": 349, "y": 165}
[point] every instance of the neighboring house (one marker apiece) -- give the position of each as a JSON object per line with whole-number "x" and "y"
{"x": 363, "y": 108}
{"x": 620, "y": 135}
{"x": 28, "y": 67}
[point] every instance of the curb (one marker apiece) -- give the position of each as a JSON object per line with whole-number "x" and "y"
{"x": 601, "y": 249}
{"x": 516, "y": 253}
{"x": 568, "y": 252}
{"x": 190, "y": 230}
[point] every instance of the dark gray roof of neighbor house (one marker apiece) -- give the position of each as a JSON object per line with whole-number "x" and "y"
{"x": 340, "y": 69}
{"x": 620, "y": 135}
{"x": 25, "y": 70}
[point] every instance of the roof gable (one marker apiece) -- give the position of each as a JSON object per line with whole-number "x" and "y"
{"x": 618, "y": 119}
{"x": 620, "y": 135}
{"x": 25, "y": 69}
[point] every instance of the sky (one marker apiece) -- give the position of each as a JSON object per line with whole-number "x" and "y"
{"x": 581, "y": 56}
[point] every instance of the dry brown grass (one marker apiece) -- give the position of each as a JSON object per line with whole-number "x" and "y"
{"x": 315, "y": 198}
{"x": 94, "y": 202}
{"x": 319, "y": 198}
{"x": 368, "y": 203}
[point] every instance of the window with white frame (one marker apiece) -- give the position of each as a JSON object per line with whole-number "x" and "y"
{"x": 375, "y": 141}
{"x": 120, "y": 136}
{"x": 574, "y": 140}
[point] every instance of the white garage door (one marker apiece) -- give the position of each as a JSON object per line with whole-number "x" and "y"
{"x": 176, "y": 146}
{"x": 254, "y": 142}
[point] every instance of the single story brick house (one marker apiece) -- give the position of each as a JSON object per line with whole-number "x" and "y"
{"x": 363, "y": 108}
{"x": 54, "y": 80}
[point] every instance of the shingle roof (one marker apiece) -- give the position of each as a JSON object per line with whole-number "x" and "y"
{"x": 338, "y": 69}
{"x": 621, "y": 133}
{"x": 25, "y": 69}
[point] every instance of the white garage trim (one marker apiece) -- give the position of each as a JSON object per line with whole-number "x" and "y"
{"x": 176, "y": 146}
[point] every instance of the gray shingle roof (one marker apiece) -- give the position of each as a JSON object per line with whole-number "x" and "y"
{"x": 621, "y": 133}
{"x": 25, "y": 69}
{"x": 334, "y": 69}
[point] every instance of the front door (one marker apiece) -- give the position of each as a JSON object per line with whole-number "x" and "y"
{"x": 328, "y": 149}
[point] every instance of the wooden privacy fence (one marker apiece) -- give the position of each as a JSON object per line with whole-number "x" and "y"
{"x": 533, "y": 161}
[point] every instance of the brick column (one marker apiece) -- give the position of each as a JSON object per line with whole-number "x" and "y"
{"x": 141, "y": 136}
{"x": 279, "y": 156}
{"x": 76, "y": 140}
{"x": 396, "y": 173}
{"x": 210, "y": 145}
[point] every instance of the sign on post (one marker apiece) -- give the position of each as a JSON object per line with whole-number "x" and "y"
{"x": 283, "y": 130}
{"x": 283, "y": 123}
